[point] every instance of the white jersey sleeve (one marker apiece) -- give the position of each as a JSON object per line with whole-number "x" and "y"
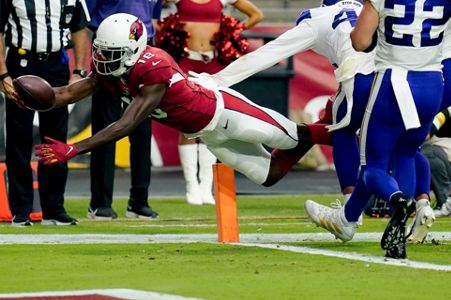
{"x": 377, "y": 4}
{"x": 298, "y": 39}
{"x": 324, "y": 30}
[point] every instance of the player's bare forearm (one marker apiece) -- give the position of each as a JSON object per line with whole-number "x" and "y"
{"x": 139, "y": 109}
{"x": 75, "y": 92}
{"x": 366, "y": 26}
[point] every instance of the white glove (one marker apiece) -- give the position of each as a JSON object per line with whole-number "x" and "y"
{"x": 204, "y": 79}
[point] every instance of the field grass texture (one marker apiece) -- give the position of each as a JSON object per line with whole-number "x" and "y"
{"x": 212, "y": 270}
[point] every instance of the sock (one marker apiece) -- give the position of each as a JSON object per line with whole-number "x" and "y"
{"x": 288, "y": 158}
{"x": 326, "y": 116}
{"x": 319, "y": 134}
{"x": 357, "y": 201}
{"x": 346, "y": 157}
{"x": 347, "y": 196}
{"x": 422, "y": 173}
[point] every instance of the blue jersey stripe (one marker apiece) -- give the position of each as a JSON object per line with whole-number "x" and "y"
{"x": 304, "y": 15}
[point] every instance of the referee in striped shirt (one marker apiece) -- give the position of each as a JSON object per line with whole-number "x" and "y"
{"x": 35, "y": 35}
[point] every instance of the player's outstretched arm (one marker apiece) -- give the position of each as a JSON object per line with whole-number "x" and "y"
{"x": 76, "y": 91}
{"x": 139, "y": 109}
{"x": 296, "y": 40}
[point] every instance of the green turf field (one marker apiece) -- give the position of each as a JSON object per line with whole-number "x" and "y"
{"x": 221, "y": 271}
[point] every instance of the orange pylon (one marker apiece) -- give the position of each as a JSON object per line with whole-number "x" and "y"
{"x": 5, "y": 213}
{"x": 226, "y": 209}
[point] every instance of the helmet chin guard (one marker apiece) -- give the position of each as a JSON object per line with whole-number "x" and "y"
{"x": 119, "y": 42}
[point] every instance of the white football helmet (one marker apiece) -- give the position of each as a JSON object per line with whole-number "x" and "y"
{"x": 120, "y": 40}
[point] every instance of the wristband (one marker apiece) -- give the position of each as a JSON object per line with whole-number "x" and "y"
{"x": 81, "y": 72}
{"x": 3, "y": 76}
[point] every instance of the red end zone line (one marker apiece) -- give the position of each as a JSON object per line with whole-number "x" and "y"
{"x": 100, "y": 294}
{"x": 62, "y": 297}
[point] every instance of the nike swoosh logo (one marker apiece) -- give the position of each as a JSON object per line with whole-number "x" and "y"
{"x": 154, "y": 63}
{"x": 226, "y": 125}
{"x": 71, "y": 148}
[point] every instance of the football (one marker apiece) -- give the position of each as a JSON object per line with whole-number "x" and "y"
{"x": 35, "y": 92}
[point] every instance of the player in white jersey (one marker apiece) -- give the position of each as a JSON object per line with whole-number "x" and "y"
{"x": 326, "y": 31}
{"x": 406, "y": 95}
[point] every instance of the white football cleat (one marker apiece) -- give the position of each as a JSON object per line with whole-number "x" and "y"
{"x": 331, "y": 219}
{"x": 424, "y": 218}
{"x": 445, "y": 211}
{"x": 337, "y": 204}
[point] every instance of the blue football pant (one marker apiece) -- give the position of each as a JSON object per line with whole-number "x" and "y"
{"x": 385, "y": 142}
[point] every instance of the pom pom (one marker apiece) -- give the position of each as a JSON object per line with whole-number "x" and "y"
{"x": 228, "y": 42}
{"x": 172, "y": 37}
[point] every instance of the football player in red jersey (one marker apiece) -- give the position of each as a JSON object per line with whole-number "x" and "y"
{"x": 233, "y": 128}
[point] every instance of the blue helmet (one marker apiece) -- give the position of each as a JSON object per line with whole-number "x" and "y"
{"x": 332, "y": 2}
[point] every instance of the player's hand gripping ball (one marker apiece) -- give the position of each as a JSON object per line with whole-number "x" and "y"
{"x": 35, "y": 92}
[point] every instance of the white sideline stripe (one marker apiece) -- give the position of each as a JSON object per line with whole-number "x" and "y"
{"x": 354, "y": 256}
{"x": 118, "y": 293}
{"x": 215, "y": 225}
{"x": 32, "y": 239}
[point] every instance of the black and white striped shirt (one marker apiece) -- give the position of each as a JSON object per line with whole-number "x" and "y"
{"x": 41, "y": 25}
